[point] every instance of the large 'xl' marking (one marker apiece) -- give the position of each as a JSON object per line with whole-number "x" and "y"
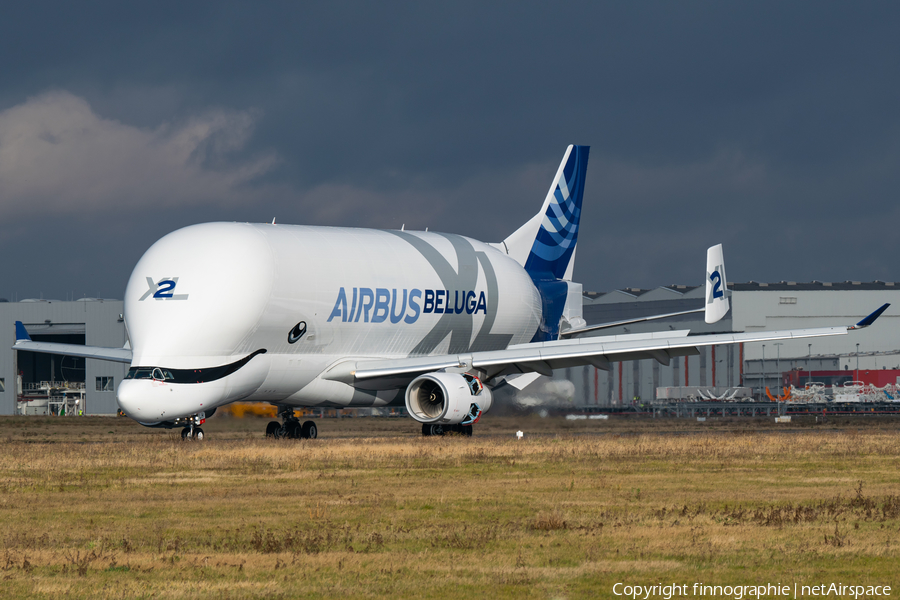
{"x": 459, "y": 325}
{"x": 162, "y": 290}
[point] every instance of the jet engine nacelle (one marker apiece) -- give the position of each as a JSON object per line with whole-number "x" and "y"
{"x": 447, "y": 398}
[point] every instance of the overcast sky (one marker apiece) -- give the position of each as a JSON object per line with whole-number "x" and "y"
{"x": 773, "y": 128}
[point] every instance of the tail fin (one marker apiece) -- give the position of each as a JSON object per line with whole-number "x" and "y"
{"x": 716, "y": 300}
{"x": 545, "y": 245}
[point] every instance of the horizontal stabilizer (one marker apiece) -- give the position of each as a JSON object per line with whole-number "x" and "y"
{"x": 574, "y": 332}
{"x": 716, "y": 307}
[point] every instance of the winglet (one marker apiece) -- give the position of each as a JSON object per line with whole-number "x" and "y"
{"x": 869, "y": 320}
{"x": 716, "y": 286}
{"x": 21, "y": 333}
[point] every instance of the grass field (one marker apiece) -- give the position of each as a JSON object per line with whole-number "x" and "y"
{"x": 102, "y": 508}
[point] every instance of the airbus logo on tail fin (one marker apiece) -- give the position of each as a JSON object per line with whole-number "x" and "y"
{"x": 555, "y": 241}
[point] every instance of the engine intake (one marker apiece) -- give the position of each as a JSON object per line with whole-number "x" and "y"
{"x": 447, "y": 398}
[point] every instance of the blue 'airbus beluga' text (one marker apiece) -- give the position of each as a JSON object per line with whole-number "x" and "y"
{"x": 381, "y": 304}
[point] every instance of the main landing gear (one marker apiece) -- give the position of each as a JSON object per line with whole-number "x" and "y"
{"x": 464, "y": 428}
{"x": 193, "y": 430}
{"x": 438, "y": 429}
{"x": 290, "y": 427}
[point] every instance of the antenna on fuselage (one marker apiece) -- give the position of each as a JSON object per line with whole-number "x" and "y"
{"x": 403, "y": 227}
{"x": 273, "y": 220}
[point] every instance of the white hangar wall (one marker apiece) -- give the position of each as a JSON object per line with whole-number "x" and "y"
{"x": 759, "y": 307}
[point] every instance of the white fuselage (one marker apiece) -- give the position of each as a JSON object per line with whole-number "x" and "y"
{"x": 210, "y": 295}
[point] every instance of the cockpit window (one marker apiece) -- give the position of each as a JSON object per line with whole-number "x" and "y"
{"x": 139, "y": 373}
{"x": 189, "y": 375}
{"x": 162, "y": 374}
{"x": 156, "y": 373}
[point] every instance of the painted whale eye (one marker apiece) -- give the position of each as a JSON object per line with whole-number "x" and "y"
{"x": 297, "y": 332}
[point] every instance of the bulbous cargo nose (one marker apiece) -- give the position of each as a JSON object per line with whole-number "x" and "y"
{"x": 196, "y": 293}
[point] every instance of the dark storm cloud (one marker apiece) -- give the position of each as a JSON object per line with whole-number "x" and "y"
{"x": 770, "y": 127}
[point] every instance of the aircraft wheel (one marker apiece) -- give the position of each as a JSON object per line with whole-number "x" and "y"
{"x": 426, "y": 429}
{"x": 292, "y": 430}
{"x": 461, "y": 429}
{"x": 186, "y": 433}
{"x": 198, "y": 434}
{"x": 309, "y": 431}
{"x": 434, "y": 429}
{"x": 272, "y": 429}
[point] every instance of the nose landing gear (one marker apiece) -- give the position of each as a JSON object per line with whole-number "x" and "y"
{"x": 290, "y": 426}
{"x": 193, "y": 430}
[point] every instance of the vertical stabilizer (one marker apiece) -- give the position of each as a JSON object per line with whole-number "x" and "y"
{"x": 545, "y": 245}
{"x": 716, "y": 287}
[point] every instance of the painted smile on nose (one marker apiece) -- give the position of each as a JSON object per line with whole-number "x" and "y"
{"x": 190, "y": 375}
{"x": 159, "y": 393}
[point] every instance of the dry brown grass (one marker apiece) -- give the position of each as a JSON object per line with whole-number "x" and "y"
{"x": 404, "y": 516}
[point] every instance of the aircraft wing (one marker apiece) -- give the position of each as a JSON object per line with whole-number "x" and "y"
{"x": 24, "y": 342}
{"x": 543, "y": 357}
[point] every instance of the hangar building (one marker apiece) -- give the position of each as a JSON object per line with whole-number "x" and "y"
{"x": 88, "y": 321}
{"x": 754, "y": 307}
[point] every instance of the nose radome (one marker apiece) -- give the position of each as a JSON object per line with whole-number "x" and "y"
{"x": 147, "y": 401}
{"x": 128, "y": 398}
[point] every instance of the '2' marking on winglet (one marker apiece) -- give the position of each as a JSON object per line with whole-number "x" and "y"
{"x": 716, "y": 279}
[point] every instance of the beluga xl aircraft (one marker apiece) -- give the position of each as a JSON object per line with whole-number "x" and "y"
{"x": 302, "y": 316}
